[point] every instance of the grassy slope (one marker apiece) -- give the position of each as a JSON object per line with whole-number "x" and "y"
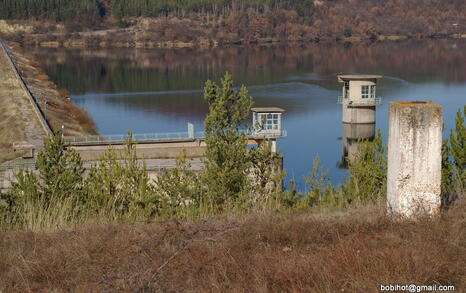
{"x": 353, "y": 251}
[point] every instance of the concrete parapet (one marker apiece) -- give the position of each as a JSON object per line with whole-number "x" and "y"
{"x": 414, "y": 159}
{"x": 191, "y": 148}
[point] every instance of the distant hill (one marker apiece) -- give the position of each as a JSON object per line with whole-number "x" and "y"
{"x": 245, "y": 20}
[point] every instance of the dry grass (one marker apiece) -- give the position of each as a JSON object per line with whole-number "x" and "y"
{"x": 353, "y": 251}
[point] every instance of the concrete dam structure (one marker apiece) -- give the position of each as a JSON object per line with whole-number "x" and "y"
{"x": 158, "y": 151}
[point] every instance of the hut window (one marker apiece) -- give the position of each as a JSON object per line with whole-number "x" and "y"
{"x": 269, "y": 121}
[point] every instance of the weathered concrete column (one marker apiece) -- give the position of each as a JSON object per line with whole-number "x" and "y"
{"x": 414, "y": 159}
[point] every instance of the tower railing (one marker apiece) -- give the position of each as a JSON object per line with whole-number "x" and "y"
{"x": 363, "y": 102}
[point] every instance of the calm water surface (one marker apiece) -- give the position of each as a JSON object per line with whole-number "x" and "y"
{"x": 160, "y": 90}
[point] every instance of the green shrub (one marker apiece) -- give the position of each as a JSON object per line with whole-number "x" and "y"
{"x": 227, "y": 160}
{"x": 454, "y": 160}
{"x": 367, "y": 172}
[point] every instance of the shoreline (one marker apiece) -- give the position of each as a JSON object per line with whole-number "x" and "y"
{"x": 90, "y": 42}
{"x": 152, "y": 33}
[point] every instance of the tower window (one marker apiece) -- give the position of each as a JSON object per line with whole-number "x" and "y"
{"x": 365, "y": 91}
{"x": 372, "y": 91}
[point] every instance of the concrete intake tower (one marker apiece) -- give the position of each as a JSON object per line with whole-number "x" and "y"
{"x": 358, "y": 98}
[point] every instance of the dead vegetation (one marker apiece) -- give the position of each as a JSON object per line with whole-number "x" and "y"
{"x": 352, "y": 251}
{"x": 204, "y": 23}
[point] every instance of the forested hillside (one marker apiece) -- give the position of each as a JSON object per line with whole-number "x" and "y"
{"x": 250, "y": 20}
{"x": 61, "y": 9}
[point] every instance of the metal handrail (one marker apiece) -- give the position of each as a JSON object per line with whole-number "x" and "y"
{"x": 366, "y": 102}
{"x": 141, "y": 137}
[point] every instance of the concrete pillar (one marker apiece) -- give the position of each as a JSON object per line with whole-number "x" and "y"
{"x": 414, "y": 159}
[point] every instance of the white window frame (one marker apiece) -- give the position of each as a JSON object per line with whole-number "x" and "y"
{"x": 372, "y": 91}
{"x": 365, "y": 91}
{"x": 268, "y": 121}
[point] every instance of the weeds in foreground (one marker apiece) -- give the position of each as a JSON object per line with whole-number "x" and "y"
{"x": 355, "y": 250}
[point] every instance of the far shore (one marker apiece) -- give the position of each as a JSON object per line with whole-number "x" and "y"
{"x": 87, "y": 40}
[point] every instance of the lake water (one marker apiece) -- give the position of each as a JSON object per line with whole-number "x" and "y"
{"x": 160, "y": 90}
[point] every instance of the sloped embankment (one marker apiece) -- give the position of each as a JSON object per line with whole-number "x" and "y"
{"x": 18, "y": 120}
{"x": 54, "y": 102}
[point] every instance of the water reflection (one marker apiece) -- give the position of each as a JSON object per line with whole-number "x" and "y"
{"x": 160, "y": 90}
{"x": 352, "y": 135}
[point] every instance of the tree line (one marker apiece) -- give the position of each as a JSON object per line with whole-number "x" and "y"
{"x": 62, "y": 9}
{"x": 124, "y": 8}
{"x": 252, "y": 19}
{"x": 58, "y": 10}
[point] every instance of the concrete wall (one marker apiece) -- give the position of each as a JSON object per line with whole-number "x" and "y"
{"x": 356, "y": 131}
{"x": 359, "y": 114}
{"x": 194, "y": 148}
{"x": 351, "y": 134}
{"x": 414, "y": 158}
{"x": 355, "y": 89}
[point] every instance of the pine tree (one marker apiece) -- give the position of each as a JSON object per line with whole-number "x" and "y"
{"x": 227, "y": 158}
{"x": 60, "y": 169}
{"x": 454, "y": 160}
{"x": 367, "y": 172}
{"x": 52, "y": 195}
